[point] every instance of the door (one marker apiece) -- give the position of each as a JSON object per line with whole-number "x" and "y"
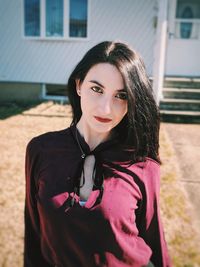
{"x": 183, "y": 45}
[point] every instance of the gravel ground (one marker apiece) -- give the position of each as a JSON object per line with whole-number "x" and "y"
{"x": 16, "y": 131}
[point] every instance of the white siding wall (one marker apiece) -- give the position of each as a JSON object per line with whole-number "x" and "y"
{"x": 49, "y": 61}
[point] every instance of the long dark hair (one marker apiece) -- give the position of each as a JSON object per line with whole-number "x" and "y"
{"x": 139, "y": 129}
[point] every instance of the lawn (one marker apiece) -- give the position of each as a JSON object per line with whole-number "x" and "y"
{"x": 19, "y": 124}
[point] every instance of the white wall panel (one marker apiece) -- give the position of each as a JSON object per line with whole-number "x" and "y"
{"x": 51, "y": 61}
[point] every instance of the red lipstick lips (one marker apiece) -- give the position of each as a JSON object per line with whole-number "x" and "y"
{"x": 102, "y": 119}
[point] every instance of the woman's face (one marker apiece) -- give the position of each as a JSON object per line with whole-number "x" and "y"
{"x": 103, "y": 98}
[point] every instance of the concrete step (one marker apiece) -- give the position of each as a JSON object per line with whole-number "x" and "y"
{"x": 180, "y": 104}
{"x": 181, "y": 93}
{"x": 182, "y": 82}
{"x": 180, "y": 116}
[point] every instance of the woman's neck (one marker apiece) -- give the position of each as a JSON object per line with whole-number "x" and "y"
{"x": 93, "y": 139}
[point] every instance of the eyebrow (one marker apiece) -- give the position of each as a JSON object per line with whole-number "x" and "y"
{"x": 101, "y": 85}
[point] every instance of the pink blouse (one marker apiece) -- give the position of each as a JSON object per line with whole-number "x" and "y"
{"x": 118, "y": 226}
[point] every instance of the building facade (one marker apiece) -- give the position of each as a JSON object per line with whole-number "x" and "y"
{"x": 42, "y": 40}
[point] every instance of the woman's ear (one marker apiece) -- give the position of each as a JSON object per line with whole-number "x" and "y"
{"x": 78, "y": 86}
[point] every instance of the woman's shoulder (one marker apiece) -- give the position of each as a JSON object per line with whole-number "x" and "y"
{"x": 148, "y": 163}
{"x": 147, "y": 168}
{"x": 49, "y": 139}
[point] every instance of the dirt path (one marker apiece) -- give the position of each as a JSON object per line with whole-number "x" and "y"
{"x": 186, "y": 142}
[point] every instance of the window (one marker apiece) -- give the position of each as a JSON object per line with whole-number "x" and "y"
{"x": 56, "y": 90}
{"x": 56, "y": 19}
{"x": 78, "y": 18}
{"x": 187, "y": 24}
{"x": 32, "y": 17}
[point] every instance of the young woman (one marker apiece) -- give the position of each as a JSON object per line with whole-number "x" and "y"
{"x": 92, "y": 190}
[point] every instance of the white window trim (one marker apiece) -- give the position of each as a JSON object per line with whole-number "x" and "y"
{"x": 44, "y": 95}
{"x": 195, "y": 22}
{"x": 66, "y": 36}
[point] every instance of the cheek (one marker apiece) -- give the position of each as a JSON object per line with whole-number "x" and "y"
{"x": 126, "y": 108}
{"x": 87, "y": 102}
{"x": 121, "y": 110}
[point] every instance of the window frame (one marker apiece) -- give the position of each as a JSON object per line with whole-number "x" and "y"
{"x": 173, "y": 21}
{"x": 66, "y": 23}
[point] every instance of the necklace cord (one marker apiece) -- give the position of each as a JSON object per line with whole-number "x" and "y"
{"x": 95, "y": 177}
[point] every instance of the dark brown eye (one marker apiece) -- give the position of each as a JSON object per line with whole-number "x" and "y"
{"x": 97, "y": 89}
{"x": 122, "y": 95}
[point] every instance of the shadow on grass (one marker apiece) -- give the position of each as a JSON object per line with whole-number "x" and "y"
{"x": 9, "y": 109}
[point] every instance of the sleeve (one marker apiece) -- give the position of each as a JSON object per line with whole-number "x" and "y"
{"x": 150, "y": 224}
{"x": 32, "y": 250}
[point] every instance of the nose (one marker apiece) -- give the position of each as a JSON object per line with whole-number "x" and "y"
{"x": 106, "y": 106}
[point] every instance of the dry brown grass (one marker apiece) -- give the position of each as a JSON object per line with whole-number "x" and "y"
{"x": 16, "y": 131}
{"x": 177, "y": 211}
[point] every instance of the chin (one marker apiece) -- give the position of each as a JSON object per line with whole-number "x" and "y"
{"x": 97, "y": 127}
{"x": 104, "y": 129}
